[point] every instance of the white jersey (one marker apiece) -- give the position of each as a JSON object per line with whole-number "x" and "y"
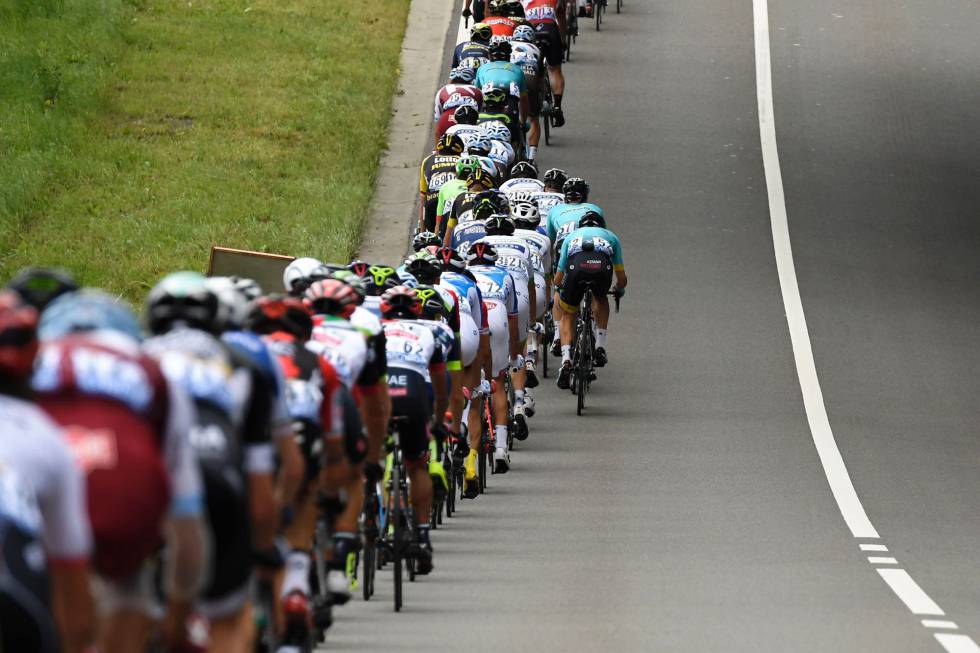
{"x": 42, "y": 491}
{"x": 467, "y": 133}
{"x": 410, "y": 345}
{"x": 513, "y": 255}
{"x": 520, "y": 184}
{"x": 527, "y": 56}
{"x": 546, "y": 200}
{"x": 540, "y": 249}
{"x": 342, "y": 344}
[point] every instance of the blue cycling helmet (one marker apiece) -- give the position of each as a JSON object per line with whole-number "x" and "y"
{"x": 87, "y": 310}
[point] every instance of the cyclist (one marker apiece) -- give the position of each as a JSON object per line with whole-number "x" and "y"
{"x": 551, "y": 195}
{"x": 452, "y": 189}
{"x": 424, "y": 240}
{"x": 477, "y": 183}
{"x": 500, "y": 23}
{"x": 478, "y": 47}
{"x": 459, "y": 92}
{"x": 514, "y": 255}
{"x": 523, "y": 178}
{"x": 43, "y": 599}
{"x": 414, "y": 361}
{"x": 495, "y": 109}
{"x": 548, "y": 19}
{"x": 38, "y": 287}
{"x": 129, "y": 427}
{"x": 233, "y": 436}
{"x": 480, "y": 147}
{"x": 500, "y": 73}
{"x": 500, "y": 301}
{"x": 563, "y": 218}
{"x": 526, "y": 222}
{"x": 436, "y": 169}
{"x": 590, "y": 253}
{"x": 501, "y": 149}
{"x": 464, "y": 123}
{"x": 526, "y": 54}
{"x": 301, "y": 272}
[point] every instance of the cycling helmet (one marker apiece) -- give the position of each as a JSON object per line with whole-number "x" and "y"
{"x": 280, "y": 313}
{"x": 232, "y": 303}
{"x": 523, "y": 34}
{"x": 496, "y": 130}
{"x": 87, "y": 310}
{"x": 466, "y": 115}
{"x": 498, "y": 199}
{"x": 514, "y": 8}
{"x": 480, "y": 145}
{"x": 481, "y": 177}
{"x": 39, "y": 286}
{"x": 18, "y": 336}
{"x": 424, "y": 267}
{"x": 462, "y": 75}
{"x": 301, "y": 272}
{"x": 400, "y": 301}
{"x": 494, "y": 97}
{"x": 355, "y": 282}
{"x": 499, "y": 224}
{"x": 377, "y": 278}
{"x": 576, "y": 190}
{"x": 525, "y": 215}
{"x": 592, "y": 219}
{"x": 450, "y": 143}
{"x": 481, "y": 253}
{"x": 181, "y": 297}
{"x": 466, "y": 165}
{"x": 331, "y": 297}
{"x": 555, "y": 178}
{"x": 483, "y": 209}
{"x": 481, "y": 33}
{"x": 523, "y": 170}
{"x": 250, "y": 288}
{"x": 450, "y": 259}
{"x": 500, "y": 51}
{"x": 433, "y": 307}
{"x": 425, "y": 238}
{"x": 497, "y": 6}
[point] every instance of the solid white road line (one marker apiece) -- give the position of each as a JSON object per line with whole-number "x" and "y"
{"x": 816, "y": 411}
{"x": 939, "y": 623}
{"x": 954, "y": 643}
{"x": 882, "y": 560}
{"x": 874, "y": 547}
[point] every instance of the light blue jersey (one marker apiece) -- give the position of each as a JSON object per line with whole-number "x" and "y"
{"x": 563, "y": 218}
{"x": 603, "y": 241}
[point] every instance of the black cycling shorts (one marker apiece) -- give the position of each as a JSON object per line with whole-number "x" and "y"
{"x": 533, "y": 95}
{"x": 226, "y": 495}
{"x": 580, "y": 268}
{"x": 410, "y": 400}
{"x": 549, "y": 40}
{"x": 355, "y": 440}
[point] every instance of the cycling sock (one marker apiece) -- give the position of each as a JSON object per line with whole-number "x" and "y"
{"x": 343, "y": 543}
{"x": 518, "y": 397}
{"x": 465, "y": 419}
{"x": 600, "y": 338}
{"x": 532, "y": 151}
{"x": 296, "y": 577}
{"x": 422, "y": 532}
{"x": 501, "y": 433}
{"x": 558, "y": 100}
{"x": 566, "y": 354}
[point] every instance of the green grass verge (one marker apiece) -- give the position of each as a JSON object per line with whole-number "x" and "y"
{"x": 141, "y": 132}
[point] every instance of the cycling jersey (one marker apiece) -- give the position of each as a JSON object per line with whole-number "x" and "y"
{"x": 470, "y": 49}
{"x": 411, "y": 346}
{"x": 501, "y": 26}
{"x": 497, "y": 284}
{"x": 470, "y": 299}
{"x": 342, "y": 344}
{"x": 127, "y": 426}
{"x": 436, "y": 170}
{"x": 540, "y": 247}
{"x": 603, "y": 241}
{"x": 508, "y": 119}
{"x": 466, "y": 132}
{"x": 257, "y": 353}
{"x": 452, "y": 96}
{"x": 445, "y": 339}
{"x": 444, "y": 203}
{"x": 503, "y": 75}
{"x": 466, "y": 233}
{"x": 528, "y": 57}
{"x": 502, "y": 153}
{"x": 540, "y": 11}
{"x": 563, "y": 218}
{"x": 519, "y": 185}
{"x": 514, "y": 255}
{"x": 502, "y": 305}
{"x": 546, "y": 200}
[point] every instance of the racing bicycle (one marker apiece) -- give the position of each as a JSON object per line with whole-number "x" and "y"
{"x": 583, "y": 346}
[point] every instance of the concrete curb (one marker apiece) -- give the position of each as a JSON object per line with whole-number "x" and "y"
{"x": 394, "y": 207}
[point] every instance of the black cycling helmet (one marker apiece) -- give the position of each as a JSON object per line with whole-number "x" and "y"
{"x": 555, "y": 178}
{"x": 466, "y": 115}
{"x": 592, "y": 219}
{"x": 280, "y": 313}
{"x": 377, "y": 278}
{"x": 499, "y": 224}
{"x": 514, "y": 9}
{"x": 494, "y": 98}
{"x": 498, "y": 199}
{"x": 433, "y": 306}
{"x": 481, "y": 177}
{"x": 576, "y": 190}
{"x": 38, "y": 286}
{"x": 185, "y": 298}
{"x": 481, "y": 253}
{"x": 450, "y": 144}
{"x": 425, "y": 238}
{"x": 523, "y": 170}
{"x": 425, "y": 267}
{"x": 500, "y": 51}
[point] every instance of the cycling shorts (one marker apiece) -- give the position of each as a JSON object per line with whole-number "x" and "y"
{"x": 27, "y": 623}
{"x": 469, "y": 337}
{"x": 533, "y": 95}
{"x": 231, "y": 542}
{"x": 551, "y": 46}
{"x": 581, "y": 268}
{"x": 499, "y": 335}
{"x": 138, "y": 593}
{"x": 410, "y": 400}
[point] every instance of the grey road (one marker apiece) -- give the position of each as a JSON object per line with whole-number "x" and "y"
{"x": 688, "y": 510}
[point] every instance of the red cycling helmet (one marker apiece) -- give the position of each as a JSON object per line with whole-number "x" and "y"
{"x": 280, "y": 313}
{"x": 400, "y": 301}
{"x": 18, "y": 337}
{"x": 331, "y": 297}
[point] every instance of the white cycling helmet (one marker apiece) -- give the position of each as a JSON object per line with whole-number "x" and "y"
{"x": 524, "y": 33}
{"x": 525, "y": 214}
{"x": 301, "y": 271}
{"x": 232, "y": 302}
{"x": 479, "y": 145}
{"x": 496, "y": 130}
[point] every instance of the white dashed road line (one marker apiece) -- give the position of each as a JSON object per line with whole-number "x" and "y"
{"x": 900, "y": 582}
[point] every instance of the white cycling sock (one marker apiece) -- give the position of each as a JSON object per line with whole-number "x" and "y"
{"x": 600, "y": 338}
{"x": 464, "y": 419}
{"x": 501, "y": 433}
{"x": 518, "y": 397}
{"x": 532, "y": 151}
{"x": 297, "y": 574}
{"x": 566, "y": 354}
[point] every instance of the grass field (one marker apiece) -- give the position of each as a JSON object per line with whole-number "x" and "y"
{"x": 134, "y": 134}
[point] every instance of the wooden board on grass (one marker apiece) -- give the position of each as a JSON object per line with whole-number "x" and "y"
{"x": 265, "y": 268}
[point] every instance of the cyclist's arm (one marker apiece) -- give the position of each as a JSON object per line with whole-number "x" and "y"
{"x": 375, "y": 402}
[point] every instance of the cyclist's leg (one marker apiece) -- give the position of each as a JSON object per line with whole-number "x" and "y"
{"x": 128, "y": 611}
{"x": 553, "y": 56}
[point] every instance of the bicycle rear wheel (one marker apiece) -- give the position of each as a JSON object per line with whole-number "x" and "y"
{"x": 619, "y": 6}
{"x": 368, "y": 568}
{"x": 396, "y": 518}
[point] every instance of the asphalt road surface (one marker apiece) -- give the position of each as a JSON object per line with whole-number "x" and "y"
{"x": 689, "y": 509}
